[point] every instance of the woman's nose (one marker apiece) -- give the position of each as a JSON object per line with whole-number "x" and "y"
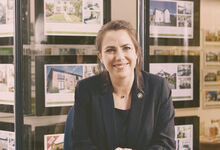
{"x": 120, "y": 54}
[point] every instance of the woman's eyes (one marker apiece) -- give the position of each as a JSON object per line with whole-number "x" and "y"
{"x": 127, "y": 48}
{"x": 109, "y": 50}
{"x": 112, "y": 50}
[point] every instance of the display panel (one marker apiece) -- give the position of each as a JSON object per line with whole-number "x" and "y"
{"x": 182, "y": 74}
{"x": 212, "y": 37}
{"x": 49, "y": 137}
{"x": 187, "y": 132}
{"x": 7, "y": 136}
{"x": 7, "y": 16}
{"x": 211, "y": 76}
{"x": 56, "y": 78}
{"x": 82, "y": 20}
{"x": 7, "y": 91}
{"x": 212, "y": 57}
{"x": 174, "y": 22}
{"x": 180, "y": 78}
{"x": 211, "y": 97}
{"x": 60, "y": 81}
{"x": 53, "y": 141}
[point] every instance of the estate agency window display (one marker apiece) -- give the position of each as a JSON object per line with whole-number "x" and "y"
{"x": 72, "y": 26}
{"x": 57, "y": 22}
{"x": 211, "y": 74}
{"x": 176, "y": 23}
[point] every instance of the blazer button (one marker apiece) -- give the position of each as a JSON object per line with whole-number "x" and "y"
{"x": 140, "y": 95}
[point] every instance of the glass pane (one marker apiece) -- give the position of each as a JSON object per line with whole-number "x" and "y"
{"x": 7, "y": 74}
{"x": 58, "y": 51}
{"x": 184, "y": 48}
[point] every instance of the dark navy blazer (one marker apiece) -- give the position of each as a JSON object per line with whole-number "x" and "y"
{"x": 150, "y": 124}
{"x": 68, "y": 130}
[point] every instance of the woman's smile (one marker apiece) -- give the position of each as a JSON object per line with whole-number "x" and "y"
{"x": 120, "y": 66}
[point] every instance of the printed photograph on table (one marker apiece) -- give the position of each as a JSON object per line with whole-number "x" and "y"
{"x": 49, "y": 137}
{"x": 182, "y": 77}
{"x": 212, "y": 97}
{"x": 187, "y": 133}
{"x": 172, "y": 22}
{"x": 212, "y": 57}
{"x": 53, "y": 141}
{"x": 212, "y": 76}
{"x": 7, "y": 136}
{"x": 61, "y": 80}
{"x": 56, "y": 79}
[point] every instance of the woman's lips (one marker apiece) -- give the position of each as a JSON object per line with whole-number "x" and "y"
{"x": 120, "y": 66}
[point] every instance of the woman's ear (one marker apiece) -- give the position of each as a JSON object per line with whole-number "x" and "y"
{"x": 99, "y": 56}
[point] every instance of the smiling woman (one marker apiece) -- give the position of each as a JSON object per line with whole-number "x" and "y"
{"x": 123, "y": 107}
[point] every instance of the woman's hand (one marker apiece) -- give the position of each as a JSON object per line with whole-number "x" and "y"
{"x": 118, "y": 148}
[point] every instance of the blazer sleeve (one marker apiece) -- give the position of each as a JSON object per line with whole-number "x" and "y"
{"x": 164, "y": 134}
{"x": 81, "y": 138}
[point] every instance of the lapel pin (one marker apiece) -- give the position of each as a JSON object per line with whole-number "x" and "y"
{"x": 139, "y": 95}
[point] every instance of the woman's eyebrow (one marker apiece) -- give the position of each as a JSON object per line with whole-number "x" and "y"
{"x": 107, "y": 47}
{"x": 127, "y": 44}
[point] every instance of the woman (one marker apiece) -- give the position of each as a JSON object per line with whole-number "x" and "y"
{"x": 122, "y": 108}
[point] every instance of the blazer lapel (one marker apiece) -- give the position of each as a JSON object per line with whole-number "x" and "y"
{"x": 107, "y": 105}
{"x": 137, "y": 108}
{"x": 134, "y": 121}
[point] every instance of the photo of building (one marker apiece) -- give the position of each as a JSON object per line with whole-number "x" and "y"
{"x": 163, "y": 13}
{"x": 63, "y": 11}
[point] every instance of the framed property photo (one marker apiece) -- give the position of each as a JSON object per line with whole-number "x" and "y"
{"x": 212, "y": 37}
{"x": 212, "y": 57}
{"x": 56, "y": 78}
{"x": 174, "y": 22}
{"x": 61, "y": 79}
{"x": 211, "y": 76}
{"x": 82, "y": 20}
{"x": 211, "y": 97}
{"x": 187, "y": 132}
{"x": 7, "y": 134}
{"x": 7, "y": 16}
{"x": 49, "y": 137}
{"x": 7, "y": 87}
{"x": 182, "y": 74}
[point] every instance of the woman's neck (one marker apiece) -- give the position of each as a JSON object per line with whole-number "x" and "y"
{"x": 122, "y": 86}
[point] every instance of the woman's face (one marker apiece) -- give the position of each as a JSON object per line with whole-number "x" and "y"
{"x": 118, "y": 54}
